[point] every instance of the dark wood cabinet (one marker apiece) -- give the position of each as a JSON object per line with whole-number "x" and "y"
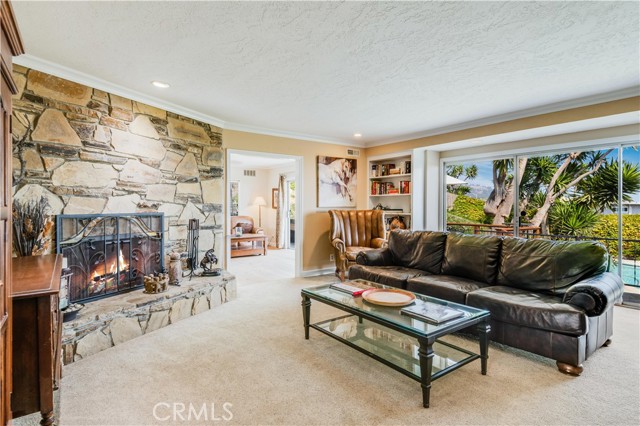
{"x": 37, "y": 321}
{"x": 10, "y": 46}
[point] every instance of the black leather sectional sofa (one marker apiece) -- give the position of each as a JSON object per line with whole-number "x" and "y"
{"x": 552, "y": 298}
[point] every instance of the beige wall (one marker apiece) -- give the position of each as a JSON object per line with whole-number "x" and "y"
{"x": 251, "y": 187}
{"x": 316, "y": 247}
{"x": 575, "y": 114}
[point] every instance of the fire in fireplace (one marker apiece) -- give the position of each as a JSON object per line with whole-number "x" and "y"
{"x": 109, "y": 254}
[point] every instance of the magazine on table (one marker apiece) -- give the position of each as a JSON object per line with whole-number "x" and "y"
{"x": 431, "y": 312}
{"x": 354, "y": 288}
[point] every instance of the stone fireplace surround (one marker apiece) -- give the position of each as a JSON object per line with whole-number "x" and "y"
{"x": 114, "y": 320}
{"x": 88, "y": 151}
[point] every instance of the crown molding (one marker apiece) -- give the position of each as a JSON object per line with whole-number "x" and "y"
{"x": 291, "y": 135}
{"x": 628, "y": 92}
{"x": 61, "y": 71}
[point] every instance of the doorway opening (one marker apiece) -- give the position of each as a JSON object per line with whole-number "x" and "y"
{"x": 261, "y": 216}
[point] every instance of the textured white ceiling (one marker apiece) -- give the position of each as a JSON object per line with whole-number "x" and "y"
{"x": 329, "y": 69}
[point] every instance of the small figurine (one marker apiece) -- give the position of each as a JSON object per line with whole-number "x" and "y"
{"x": 207, "y": 263}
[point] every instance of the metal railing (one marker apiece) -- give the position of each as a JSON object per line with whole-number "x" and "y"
{"x": 491, "y": 229}
{"x": 629, "y": 263}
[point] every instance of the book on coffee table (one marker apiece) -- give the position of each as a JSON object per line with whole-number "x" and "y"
{"x": 354, "y": 288}
{"x": 431, "y": 312}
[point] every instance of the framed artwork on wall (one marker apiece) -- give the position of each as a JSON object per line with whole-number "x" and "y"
{"x": 274, "y": 198}
{"x": 337, "y": 181}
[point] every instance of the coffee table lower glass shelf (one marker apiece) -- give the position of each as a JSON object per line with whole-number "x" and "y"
{"x": 411, "y": 346}
{"x": 394, "y": 349}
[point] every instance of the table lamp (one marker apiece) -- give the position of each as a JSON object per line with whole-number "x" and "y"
{"x": 260, "y": 202}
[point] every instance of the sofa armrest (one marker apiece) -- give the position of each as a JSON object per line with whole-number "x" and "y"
{"x": 377, "y": 257}
{"x": 596, "y": 294}
{"x": 339, "y": 245}
{"x": 379, "y": 243}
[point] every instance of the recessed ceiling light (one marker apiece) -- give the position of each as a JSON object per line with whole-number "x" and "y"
{"x": 160, "y": 84}
{"x": 357, "y": 135}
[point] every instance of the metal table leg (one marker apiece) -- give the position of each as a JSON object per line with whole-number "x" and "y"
{"x": 306, "y": 315}
{"x": 484, "y": 328}
{"x": 426, "y": 364}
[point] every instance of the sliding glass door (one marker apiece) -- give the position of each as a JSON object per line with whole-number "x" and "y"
{"x": 578, "y": 194}
{"x": 630, "y": 215}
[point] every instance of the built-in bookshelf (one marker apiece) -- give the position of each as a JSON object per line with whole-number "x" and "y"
{"x": 390, "y": 186}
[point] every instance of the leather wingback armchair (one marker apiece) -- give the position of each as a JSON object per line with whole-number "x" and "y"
{"x": 353, "y": 231}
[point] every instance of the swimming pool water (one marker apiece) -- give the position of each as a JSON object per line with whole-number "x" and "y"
{"x": 631, "y": 274}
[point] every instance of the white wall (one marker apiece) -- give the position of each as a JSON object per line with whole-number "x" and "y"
{"x": 251, "y": 187}
{"x": 260, "y": 185}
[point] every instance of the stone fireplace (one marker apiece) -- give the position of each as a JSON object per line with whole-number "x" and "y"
{"x": 109, "y": 254}
{"x": 89, "y": 152}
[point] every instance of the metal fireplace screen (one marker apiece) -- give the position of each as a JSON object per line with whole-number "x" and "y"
{"x": 109, "y": 254}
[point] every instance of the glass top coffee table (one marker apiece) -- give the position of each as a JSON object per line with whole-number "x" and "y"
{"x": 406, "y": 344}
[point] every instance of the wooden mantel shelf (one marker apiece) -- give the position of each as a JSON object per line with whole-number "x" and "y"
{"x": 36, "y": 275}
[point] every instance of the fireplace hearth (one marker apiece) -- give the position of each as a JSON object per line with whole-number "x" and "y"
{"x": 109, "y": 254}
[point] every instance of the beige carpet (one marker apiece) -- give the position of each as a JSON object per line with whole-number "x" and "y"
{"x": 277, "y": 264}
{"x": 251, "y": 353}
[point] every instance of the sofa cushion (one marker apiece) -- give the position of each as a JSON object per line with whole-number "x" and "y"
{"x": 445, "y": 287}
{"x": 525, "y": 308}
{"x": 551, "y": 266}
{"x": 395, "y": 276}
{"x": 418, "y": 249}
{"x": 352, "y": 251}
{"x": 472, "y": 256}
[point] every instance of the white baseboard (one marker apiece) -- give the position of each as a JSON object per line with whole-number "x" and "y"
{"x": 316, "y": 272}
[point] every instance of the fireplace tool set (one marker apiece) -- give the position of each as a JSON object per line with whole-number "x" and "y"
{"x": 209, "y": 258}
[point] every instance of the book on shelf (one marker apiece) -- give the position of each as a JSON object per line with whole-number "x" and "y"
{"x": 382, "y": 188}
{"x": 354, "y": 288}
{"x": 386, "y": 169}
{"x": 405, "y": 187}
{"x": 407, "y": 167}
{"x": 431, "y": 312}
